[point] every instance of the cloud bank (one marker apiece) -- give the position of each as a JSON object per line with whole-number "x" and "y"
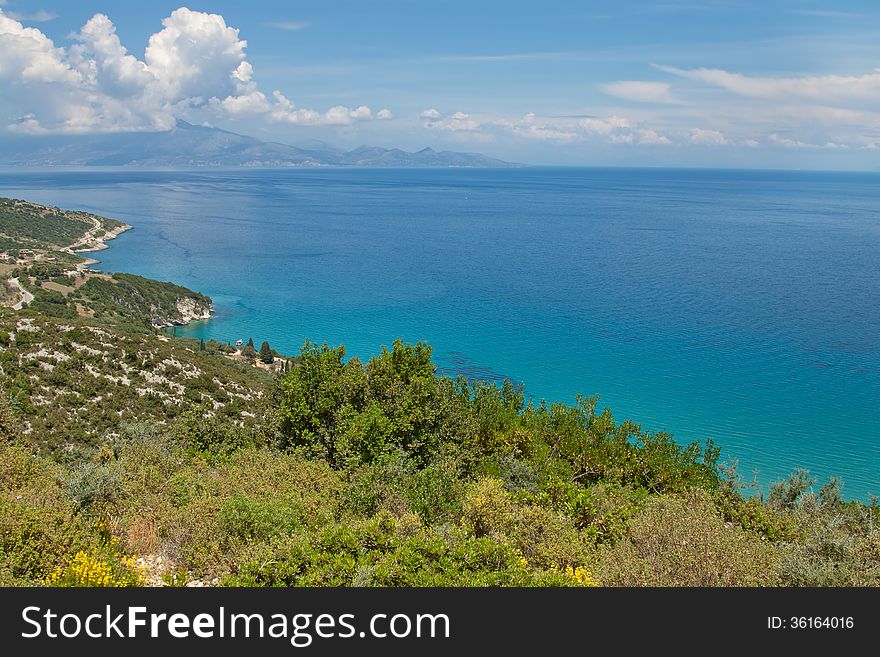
{"x": 555, "y": 129}
{"x": 195, "y": 62}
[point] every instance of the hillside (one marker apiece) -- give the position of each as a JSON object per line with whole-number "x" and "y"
{"x": 189, "y": 145}
{"x": 40, "y": 268}
{"x": 80, "y": 355}
{"x": 129, "y": 457}
{"x": 76, "y": 384}
{"x": 25, "y": 225}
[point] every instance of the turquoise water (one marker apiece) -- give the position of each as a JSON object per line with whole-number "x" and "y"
{"x": 741, "y": 306}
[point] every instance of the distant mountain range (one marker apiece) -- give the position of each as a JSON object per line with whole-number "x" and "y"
{"x": 190, "y": 145}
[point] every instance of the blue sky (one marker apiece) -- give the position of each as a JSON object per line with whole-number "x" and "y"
{"x": 771, "y": 84}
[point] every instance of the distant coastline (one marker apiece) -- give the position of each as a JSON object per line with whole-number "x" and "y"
{"x": 192, "y": 146}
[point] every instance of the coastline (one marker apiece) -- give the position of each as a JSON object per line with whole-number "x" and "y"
{"x": 163, "y": 304}
{"x": 93, "y": 241}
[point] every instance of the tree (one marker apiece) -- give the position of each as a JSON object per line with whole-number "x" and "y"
{"x": 347, "y": 412}
{"x": 251, "y": 344}
{"x": 266, "y": 354}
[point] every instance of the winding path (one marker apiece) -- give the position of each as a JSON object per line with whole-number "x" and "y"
{"x": 26, "y": 297}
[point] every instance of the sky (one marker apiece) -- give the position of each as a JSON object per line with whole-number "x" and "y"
{"x": 775, "y": 84}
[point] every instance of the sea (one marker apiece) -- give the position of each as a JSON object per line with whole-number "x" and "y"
{"x": 741, "y": 306}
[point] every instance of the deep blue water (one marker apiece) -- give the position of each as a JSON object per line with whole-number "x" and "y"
{"x": 741, "y": 306}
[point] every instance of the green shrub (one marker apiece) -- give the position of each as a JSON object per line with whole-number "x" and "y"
{"x": 384, "y": 551}
{"x": 210, "y": 436}
{"x": 841, "y": 544}
{"x": 518, "y": 476}
{"x": 37, "y": 537}
{"x": 683, "y": 541}
{"x": 94, "y": 486}
{"x": 349, "y": 413}
{"x": 251, "y": 519}
{"x": 435, "y": 491}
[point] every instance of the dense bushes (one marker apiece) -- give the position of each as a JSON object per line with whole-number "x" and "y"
{"x": 40, "y": 528}
{"x": 683, "y": 541}
{"x": 349, "y": 414}
{"x": 383, "y": 474}
{"x": 388, "y": 551}
{"x": 137, "y": 300}
{"x": 74, "y": 384}
{"x": 37, "y": 225}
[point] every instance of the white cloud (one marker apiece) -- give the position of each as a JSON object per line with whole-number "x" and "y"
{"x": 285, "y": 111}
{"x": 641, "y": 92}
{"x": 789, "y": 143}
{"x": 385, "y": 114}
{"x": 820, "y": 88}
{"x": 195, "y": 63}
{"x": 786, "y": 142}
{"x": 531, "y": 126}
{"x": 105, "y": 63}
{"x": 708, "y": 137}
{"x": 604, "y": 126}
{"x": 647, "y": 136}
{"x": 555, "y": 129}
{"x": 50, "y": 88}
{"x": 643, "y": 136}
{"x": 807, "y": 111}
{"x": 456, "y": 122}
{"x": 196, "y": 55}
{"x": 250, "y": 104}
{"x": 39, "y": 16}
{"x": 290, "y": 26}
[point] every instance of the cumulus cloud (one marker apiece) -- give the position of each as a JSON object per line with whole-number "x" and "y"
{"x": 455, "y": 122}
{"x": 641, "y": 92}
{"x": 196, "y": 62}
{"x": 607, "y": 126}
{"x": 285, "y": 111}
{"x": 613, "y": 129}
{"x": 385, "y": 114}
{"x": 531, "y": 126}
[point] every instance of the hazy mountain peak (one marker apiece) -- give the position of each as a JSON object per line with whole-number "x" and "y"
{"x": 188, "y": 145}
